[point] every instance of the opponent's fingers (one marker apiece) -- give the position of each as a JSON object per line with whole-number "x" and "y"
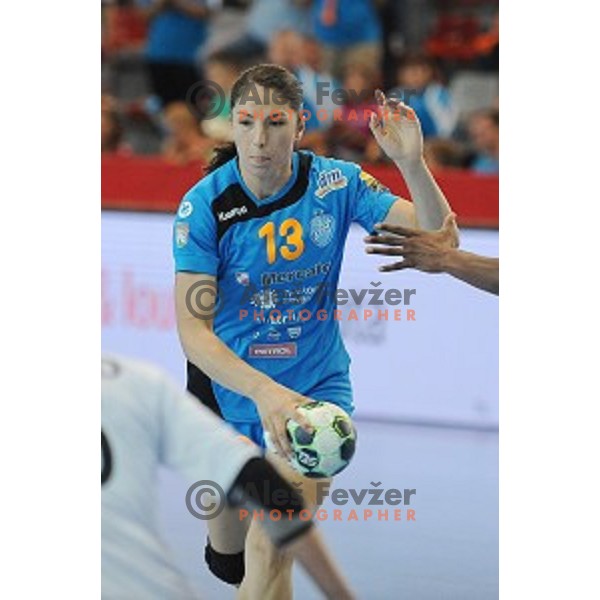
{"x": 397, "y": 229}
{"x": 385, "y": 250}
{"x": 390, "y": 240}
{"x": 397, "y": 266}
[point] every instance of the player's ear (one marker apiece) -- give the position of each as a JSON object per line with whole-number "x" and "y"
{"x": 300, "y": 128}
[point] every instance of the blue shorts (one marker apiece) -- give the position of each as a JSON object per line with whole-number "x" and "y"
{"x": 335, "y": 389}
{"x": 254, "y": 430}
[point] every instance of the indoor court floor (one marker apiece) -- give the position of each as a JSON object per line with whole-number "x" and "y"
{"x": 449, "y": 551}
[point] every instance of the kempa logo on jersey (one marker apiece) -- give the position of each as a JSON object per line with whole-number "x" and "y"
{"x": 237, "y": 211}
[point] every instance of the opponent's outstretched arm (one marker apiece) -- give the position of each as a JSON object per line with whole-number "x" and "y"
{"x": 435, "y": 252}
{"x": 398, "y": 131}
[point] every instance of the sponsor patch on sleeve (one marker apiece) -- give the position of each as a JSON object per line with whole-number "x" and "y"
{"x": 182, "y": 234}
{"x": 372, "y": 183}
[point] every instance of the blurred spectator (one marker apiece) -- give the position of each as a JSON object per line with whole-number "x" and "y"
{"x": 487, "y": 46}
{"x": 111, "y": 128}
{"x": 484, "y": 133}
{"x": 420, "y": 88}
{"x": 349, "y": 31}
{"x": 185, "y": 142}
{"x": 223, "y": 68}
{"x": 288, "y": 50}
{"x": 226, "y": 26}
{"x": 351, "y": 137}
{"x": 123, "y": 27}
{"x": 441, "y": 154}
{"x": 312, "y": 53}
{"x": 177, "y": 29}
{"x": 265, "y": 19}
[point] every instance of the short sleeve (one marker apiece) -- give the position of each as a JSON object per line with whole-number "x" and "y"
{"x": 195, "y": 246}
{"x": 371, "y": 202}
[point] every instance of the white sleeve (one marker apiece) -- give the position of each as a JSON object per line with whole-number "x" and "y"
{"x": 197, "y": 443}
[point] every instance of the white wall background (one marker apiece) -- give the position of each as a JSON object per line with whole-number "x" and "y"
{"x": 441, "y": 368}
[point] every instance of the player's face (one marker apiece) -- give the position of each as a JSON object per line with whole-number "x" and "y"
{"x": 265, "y": 133}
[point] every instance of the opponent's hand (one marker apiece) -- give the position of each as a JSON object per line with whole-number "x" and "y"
{"x": 422, "y": 250}
{"x": 276, "y": 405}
{"x": 397, "y": 130}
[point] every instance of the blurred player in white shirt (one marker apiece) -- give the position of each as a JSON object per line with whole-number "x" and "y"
{"x": 147, "y": 422}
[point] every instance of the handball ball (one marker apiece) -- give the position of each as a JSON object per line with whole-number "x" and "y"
{"x": 329, "y": 448}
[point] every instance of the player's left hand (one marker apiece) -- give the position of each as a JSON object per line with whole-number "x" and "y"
{"x": 420, "y": 249}
{"x": 397, "y": 130}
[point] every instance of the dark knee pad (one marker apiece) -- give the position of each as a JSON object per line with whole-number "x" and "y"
{"x": 227, "y": 567}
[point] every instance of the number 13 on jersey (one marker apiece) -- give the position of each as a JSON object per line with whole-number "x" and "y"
{"x": 291, "y": 244}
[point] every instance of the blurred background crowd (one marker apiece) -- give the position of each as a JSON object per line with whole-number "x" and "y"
{"x": 440, "y": 56}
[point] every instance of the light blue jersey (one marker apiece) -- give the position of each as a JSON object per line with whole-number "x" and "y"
{"x": 277, "y": 263}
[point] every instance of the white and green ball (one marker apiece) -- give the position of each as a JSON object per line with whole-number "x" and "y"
{"x": 329, "y": 448}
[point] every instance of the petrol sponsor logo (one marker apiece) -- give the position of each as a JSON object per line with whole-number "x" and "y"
{"x": 283, "y": 350}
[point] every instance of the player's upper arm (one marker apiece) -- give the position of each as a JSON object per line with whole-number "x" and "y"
{"x": 196, "y": 254}
{"x": 402, "y": 212}
{"x": 374, "y": 203}
{"x": 195, "y": 301}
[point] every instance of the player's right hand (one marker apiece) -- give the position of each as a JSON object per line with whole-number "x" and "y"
{"x": 397, "y": 130}
{"x": 276, "y": 405}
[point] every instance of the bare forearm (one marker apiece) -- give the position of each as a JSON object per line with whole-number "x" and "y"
{"x": 479, "y": 271}
{"x": 430, "y": 204}
{"x": 205, "y": 350}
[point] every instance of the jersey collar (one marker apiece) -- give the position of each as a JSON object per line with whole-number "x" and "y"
{"x": 277, "y": 195}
